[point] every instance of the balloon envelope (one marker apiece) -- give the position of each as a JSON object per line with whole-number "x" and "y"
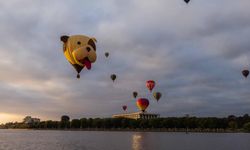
{"x": 135, "y": 94}
{"x": 187, "y": 1}
{"x": 107, "y": 54}
{"x": 142, "y": 104}
{"x": 245, "y": 73}
{"x": 80, "y": 51}
{"x": 124, "y": 107}
{"x": 113, "y": 77}
{"x": 157, "y": 95}
{"x": 150, "y": 85}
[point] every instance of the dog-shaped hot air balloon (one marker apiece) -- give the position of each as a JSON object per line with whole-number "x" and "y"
{"x": 80, "y": 51}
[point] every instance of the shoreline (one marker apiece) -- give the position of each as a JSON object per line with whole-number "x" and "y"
{"x": 142, "y": 130}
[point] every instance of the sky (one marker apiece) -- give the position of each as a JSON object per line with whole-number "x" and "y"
{"x": 194, "y": 52}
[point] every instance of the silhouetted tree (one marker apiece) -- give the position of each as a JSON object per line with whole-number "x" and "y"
{"x": 65, "y": 121}
{"x": 206, "y": 123}
{"x": 247, "y": 127}
{"x": 84, "y": 123}
{"x": 75, "y": 123}
{"x": 232, "y": 125}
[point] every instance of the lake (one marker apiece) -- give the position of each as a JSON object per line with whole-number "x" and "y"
{"x": 105, "y": 140}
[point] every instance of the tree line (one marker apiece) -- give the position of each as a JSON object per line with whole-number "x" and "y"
{"x": 230, "y": 123}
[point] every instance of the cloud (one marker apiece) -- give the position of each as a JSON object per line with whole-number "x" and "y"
{"x": 194, "y": 52}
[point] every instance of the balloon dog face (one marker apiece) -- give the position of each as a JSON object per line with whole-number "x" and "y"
{"x": 79, "y": 50}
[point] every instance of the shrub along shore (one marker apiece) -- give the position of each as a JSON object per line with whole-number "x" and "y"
{"x": 170, "y": 124}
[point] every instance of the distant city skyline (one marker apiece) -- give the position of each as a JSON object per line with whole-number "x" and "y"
{"x": 194, "y": 52}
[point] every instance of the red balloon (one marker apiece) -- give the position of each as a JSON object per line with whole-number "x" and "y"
{"x": 150, "y": 85}
{"x": 142, "y": 104}
{"x": 124, "y": 107}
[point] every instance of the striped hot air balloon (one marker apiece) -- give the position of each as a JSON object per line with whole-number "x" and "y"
{"x": 142, "y": 104}
{"x": 150, "y": 84}
{"x": 157, "y": 95}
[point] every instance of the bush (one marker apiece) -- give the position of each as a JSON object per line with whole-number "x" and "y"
{"x": 247, "y": 127}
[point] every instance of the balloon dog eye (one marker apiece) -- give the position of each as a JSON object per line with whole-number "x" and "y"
{"x": 88, "y": 49}
{"x": 79, "y": 43}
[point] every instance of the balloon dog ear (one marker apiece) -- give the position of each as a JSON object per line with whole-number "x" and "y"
{"x": 64, "y": 38}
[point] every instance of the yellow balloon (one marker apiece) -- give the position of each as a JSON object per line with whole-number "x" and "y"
{"x": 80, "y": 51}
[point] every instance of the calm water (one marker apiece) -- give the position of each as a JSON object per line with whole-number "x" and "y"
{"x": 92, "y": 140}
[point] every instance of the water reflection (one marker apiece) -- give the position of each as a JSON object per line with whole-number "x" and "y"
{"x": 137, "y": 141}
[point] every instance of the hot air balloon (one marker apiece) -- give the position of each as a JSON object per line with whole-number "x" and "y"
{"x": 187, "y": 1}
{"x": 150, "y": 85}
{"x": 124, "y": 107}
{"x": 113, "y": 77}
{"x": 157, "y": 95}
{"x": 245, "y": 73}
{"x": 107, "y": 54}
{"x": 135, "y": 94}
{"x": 80, "y": 51}
{"x": 142, "y": 104}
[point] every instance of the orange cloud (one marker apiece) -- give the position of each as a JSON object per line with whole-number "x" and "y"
{"x": 7, "y": 117}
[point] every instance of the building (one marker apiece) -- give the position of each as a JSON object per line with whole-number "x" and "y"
{"x": 137, "y": 115}
{"x": 30, "y": 120}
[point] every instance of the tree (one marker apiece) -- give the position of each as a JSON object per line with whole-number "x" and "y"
{"x": 51, "y": 124}
{"x": 65, "y": 118}
{"x": 75, "y": 123}
{"x": 84, "y": 123}
{"x": 247, "y": 127}
{"x": 97, "y": 123}
{"x": 233, "y": 125}
{"x": 65, "y": 121}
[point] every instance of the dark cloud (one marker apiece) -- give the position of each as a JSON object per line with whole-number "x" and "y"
{"x": 195, "y": 53}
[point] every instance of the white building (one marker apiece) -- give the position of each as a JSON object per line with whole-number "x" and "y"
{"x": 137, "y": 115}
